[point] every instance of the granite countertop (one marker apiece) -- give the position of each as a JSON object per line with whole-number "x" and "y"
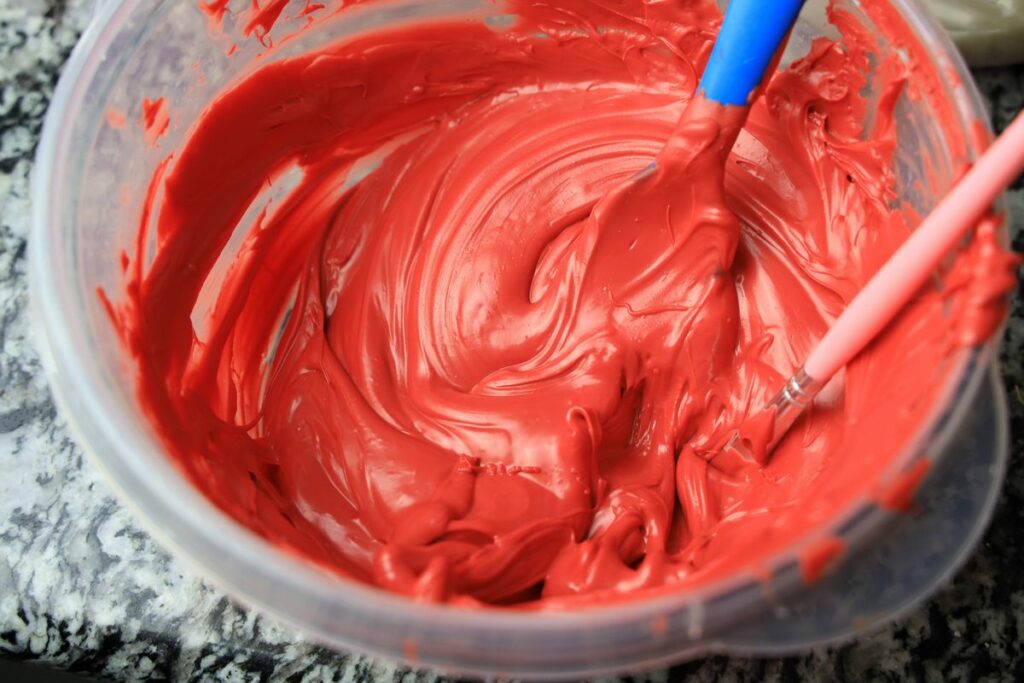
{"x": 83, "y": 588}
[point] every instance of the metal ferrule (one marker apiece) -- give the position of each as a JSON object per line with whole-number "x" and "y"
{"x": 791, "y": 401}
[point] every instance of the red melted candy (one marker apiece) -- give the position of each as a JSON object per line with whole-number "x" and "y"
{"x": 494, "y": 383}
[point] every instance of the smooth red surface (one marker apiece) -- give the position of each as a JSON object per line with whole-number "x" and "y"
{"x": 506, "y": 360}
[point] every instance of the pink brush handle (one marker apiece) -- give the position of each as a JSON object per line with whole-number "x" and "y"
{"x": 907, "y": 269}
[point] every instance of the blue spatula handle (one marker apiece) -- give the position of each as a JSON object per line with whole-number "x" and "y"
{"x": 750, "y": 37}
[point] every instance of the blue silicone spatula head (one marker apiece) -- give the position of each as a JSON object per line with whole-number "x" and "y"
{"x": 750, "y": 38}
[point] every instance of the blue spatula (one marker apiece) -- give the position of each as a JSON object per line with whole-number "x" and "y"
{"x": 747, "y": 44}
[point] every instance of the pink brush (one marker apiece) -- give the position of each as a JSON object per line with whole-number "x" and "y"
{"x": 893, "y": 285}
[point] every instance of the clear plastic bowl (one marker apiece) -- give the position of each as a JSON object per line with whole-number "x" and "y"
{"x": 88, "y": 183}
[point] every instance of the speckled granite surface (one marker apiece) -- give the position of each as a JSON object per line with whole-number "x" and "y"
{"x": 82, "y": 588}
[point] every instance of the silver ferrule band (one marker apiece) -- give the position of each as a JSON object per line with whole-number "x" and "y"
{"x": 791, "y": 401}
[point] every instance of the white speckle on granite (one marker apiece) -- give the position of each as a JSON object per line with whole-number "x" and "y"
{"x": 83, "y": 588}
